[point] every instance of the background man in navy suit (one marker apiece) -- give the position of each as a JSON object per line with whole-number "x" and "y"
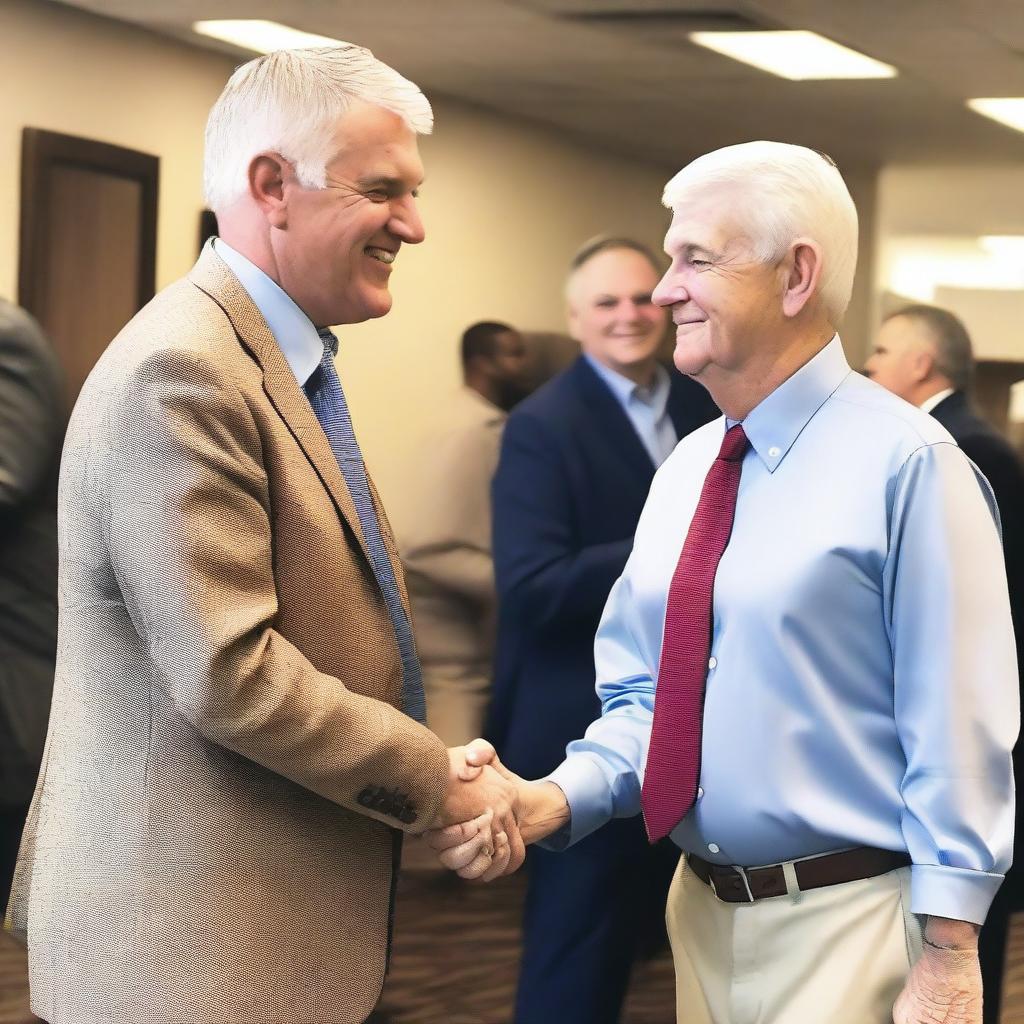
{"x": 924, "y": 355}
{"x": 576, "y": 463}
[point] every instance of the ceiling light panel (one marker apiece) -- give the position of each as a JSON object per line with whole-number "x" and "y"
{"x": 1007, "y": 110}
{"x": 261, "y": 36}
{"x": 796, "y": 55}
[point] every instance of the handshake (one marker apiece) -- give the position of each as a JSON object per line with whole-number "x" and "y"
{"x": 490, "y": 815}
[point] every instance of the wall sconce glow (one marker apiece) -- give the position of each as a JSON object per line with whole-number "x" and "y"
{"x": 797, "y": 55}
{"x": 1007, "y": 110}
{"x": 261, "y": 36}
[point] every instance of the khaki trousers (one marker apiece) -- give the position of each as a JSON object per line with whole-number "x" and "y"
{"x": 836, "y": 955}
{"x": 457, "y": 697}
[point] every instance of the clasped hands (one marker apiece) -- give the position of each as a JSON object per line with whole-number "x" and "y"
{"x": 490, "y": 815}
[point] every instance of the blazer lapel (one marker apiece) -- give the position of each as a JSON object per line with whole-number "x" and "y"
{"x": 212, "y": 276}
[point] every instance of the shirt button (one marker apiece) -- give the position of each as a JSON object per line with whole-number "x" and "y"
{"x": 712, "y": 662}
{"x": 700, "y": 792}
{"x": 714, "y": 848}
{"x": 773, "y": 452}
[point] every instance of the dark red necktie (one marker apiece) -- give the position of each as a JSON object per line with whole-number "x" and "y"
{"x": 673, "y": 758}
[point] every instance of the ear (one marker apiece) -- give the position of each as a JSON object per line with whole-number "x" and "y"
{"x": 803, "y": 275}
{"x": 922, "y": 364}
{"x": 268, "y": 173}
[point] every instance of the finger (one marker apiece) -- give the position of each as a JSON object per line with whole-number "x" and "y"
{"x": 479, "y": 752}
{"x": 456, "y": 835}
{"x": 480, "y": 863}
{"x": 517, "y": 850}
{"x": 458, "y": 858}
{"x": 499, "y": 863}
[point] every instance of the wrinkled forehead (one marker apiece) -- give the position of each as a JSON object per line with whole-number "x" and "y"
{"x": 709, "y": 220}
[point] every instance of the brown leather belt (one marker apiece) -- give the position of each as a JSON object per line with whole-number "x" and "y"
{"x": 746, "y": 885}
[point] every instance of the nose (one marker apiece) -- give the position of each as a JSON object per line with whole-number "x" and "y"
{"x": 668, "y": 292}
{"x": 406, "y": 222}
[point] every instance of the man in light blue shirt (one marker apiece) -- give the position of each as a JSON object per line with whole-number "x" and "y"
{"x": 854, "y": 814}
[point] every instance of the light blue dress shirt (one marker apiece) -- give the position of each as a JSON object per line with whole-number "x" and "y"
{"x": 862, "y": 685}
{"x": 292, "y": 329}
{"x": 647, "y": 408}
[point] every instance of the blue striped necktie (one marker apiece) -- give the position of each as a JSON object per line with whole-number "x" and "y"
{"x": 328, "y": 400}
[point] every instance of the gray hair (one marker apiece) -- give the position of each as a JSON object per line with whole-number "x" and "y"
{"x": 785, "y": 192}
{"x": 609, "y": 243}
{"x": 954, "y": 356}
{"x": 288, "y": 101}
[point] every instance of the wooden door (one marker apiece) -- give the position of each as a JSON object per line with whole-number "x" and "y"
{"x": 88, "y": 242}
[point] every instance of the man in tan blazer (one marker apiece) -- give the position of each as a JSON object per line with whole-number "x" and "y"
{"x": 233, "y": 753}
{"x": 446, "y": 540}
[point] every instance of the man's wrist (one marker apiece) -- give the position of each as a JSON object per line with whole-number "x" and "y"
{"x": 944, "y": 935}
{"x": 544, "y": 810}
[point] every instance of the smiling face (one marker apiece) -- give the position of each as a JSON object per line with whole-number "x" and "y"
{"x": 726, "y": 305}
{"x": 611, "y": 313}
{"x": 335, "y": 248}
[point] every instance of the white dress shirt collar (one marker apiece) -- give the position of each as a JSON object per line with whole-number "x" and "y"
{"x": 940, "y": 396}
{"x": 292, "y": 329}
{"x": 775, "y": 423}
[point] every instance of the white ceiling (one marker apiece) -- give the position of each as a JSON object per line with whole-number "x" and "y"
{"x": 621, "y": 74}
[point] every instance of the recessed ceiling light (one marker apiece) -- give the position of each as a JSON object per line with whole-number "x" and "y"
{"x": 1008, "y": 110}
{"x": 796, "y": 55}
{"x": 261, "y": 36}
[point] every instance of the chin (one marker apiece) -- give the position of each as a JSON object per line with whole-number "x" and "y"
{"x": 689, "y": 362}
{"x": 369, "y": 307}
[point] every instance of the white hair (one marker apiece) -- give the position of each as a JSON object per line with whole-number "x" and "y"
{"x": 289, "y": 102}
{"x": 784, "y": 192}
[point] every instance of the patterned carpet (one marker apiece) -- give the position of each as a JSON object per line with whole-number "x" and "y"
{"x": 455, "y": 961}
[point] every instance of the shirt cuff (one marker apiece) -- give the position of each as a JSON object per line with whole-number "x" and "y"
{"x": 957, "y": 893}
{"x": 589, "y": 796}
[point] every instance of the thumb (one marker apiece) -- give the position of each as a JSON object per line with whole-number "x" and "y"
{"x": 479, "y": 752}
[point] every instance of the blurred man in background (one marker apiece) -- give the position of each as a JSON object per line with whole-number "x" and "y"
{"x": 924, "y": 355}
{"x": 31, "y": 428}
{"x": 446, "y": 544}
{"x": 577, "y": 460}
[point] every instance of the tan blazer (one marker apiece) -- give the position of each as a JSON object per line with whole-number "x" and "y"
{"x": 212, "y": 834}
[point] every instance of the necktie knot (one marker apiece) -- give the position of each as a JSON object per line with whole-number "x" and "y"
{"x": 329, "y": 339}
{"x": 734, "y": 444}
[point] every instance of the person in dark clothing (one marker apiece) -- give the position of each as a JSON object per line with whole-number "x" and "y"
{"x": 31, "y": 430}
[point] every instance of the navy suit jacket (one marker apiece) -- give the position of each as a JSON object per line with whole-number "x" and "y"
{"x": 571, "y": 482}
{"x": 1002, "y": 466}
